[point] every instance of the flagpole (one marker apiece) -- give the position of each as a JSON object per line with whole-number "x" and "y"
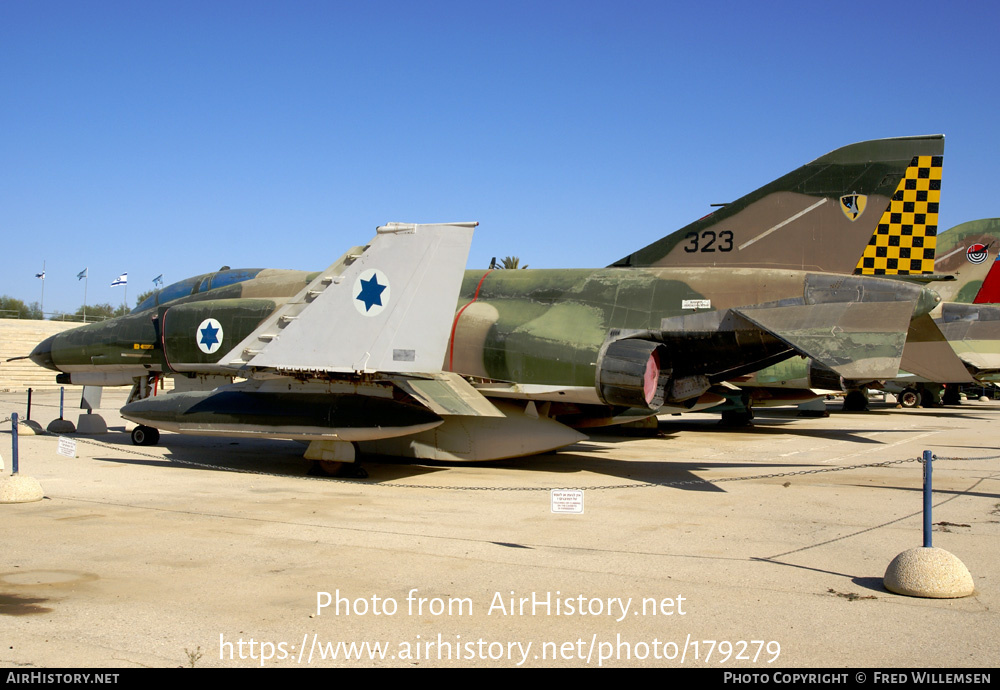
{"x": 86, "y": 279}
{"x": 43, "y": 288}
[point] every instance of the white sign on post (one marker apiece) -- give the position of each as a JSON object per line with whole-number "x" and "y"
{"x": 67, "y": 447}
{"x": 566, "y": 500}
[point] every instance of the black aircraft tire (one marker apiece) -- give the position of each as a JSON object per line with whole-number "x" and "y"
{"x": 344, "y": 470}
{"x": 737, "y": 418}
{"x": 855, "y": 401}
{"x": 145, "y": 436}
{"x": 909, "y": 398}
{"x": 951, "y": 396}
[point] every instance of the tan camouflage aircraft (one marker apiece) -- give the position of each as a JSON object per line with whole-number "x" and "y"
{"x": 347, "y": 359}
{"x": 967, "y": 277}
{"x": 969, "y": 315}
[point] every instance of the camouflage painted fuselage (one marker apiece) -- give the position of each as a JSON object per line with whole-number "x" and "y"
{"x": 543, "y": 327}
{"x": 548, "y": 326}
{"x": 115, "y": 351}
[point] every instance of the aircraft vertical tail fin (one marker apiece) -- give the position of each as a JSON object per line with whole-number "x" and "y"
{"x": 822, "y": 216}
{"x": 989, "y": 293}
{"x": 906, "y": 237}
{"x": 388, "y": 308}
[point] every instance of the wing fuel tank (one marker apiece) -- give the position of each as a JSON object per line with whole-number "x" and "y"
{"x": 233, "y": 411}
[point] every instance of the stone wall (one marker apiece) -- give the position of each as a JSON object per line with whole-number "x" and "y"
{"x": 18, "y": 337}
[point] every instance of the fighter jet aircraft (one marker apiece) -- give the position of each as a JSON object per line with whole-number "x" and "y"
{"x": 529, "y": 355}
{"x": 968, "y": 252}
{"x": 970, "y": 315}
{"x": 967, "y": 277}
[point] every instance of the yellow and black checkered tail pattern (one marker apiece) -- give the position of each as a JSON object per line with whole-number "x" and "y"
{"x": 906, "y": 237}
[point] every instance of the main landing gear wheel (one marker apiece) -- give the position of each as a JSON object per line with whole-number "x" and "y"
{"x": 333, "y": 468}
{"x": 334, "y": 458}
{"x": 145, "y": 436}
{"x": 951, "y": 396}
{"x": 909, "y": 398}
{"x": 855, "y": 401}
{"x": 737, "y": 418}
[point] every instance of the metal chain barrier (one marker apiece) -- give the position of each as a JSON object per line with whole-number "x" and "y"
{"x": 602, "y": 487}
{"x": 983, "y": 457}
{"x": 20, "y": 422}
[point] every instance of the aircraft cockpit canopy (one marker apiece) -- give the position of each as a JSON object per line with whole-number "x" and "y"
{"x": 197, "y": 285}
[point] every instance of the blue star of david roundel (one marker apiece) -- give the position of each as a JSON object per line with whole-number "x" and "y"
{"x": 371, "y": 292}
{"x": 209, "y": 336}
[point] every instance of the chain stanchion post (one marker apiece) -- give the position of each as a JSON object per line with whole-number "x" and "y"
{"x": 928, "y": 496}
{"x": 28, "y": 416}
{"x": 17, "y": 488}
{"x": 927, "y": 571}
{"x": 13, "y": 443}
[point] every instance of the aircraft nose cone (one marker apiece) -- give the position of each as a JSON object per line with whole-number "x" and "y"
{"x": 42, "y": 354}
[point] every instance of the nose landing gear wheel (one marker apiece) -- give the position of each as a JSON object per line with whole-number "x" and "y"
{"x": 145, "y": 436}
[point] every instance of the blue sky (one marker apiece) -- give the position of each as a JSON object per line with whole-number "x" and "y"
{"x": 175, "y": 137}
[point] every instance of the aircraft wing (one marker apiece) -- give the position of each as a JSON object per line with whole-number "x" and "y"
{"x": 859, "y": 341}
{"x": 973, "y": 331}
{"x": 855, "y": 326}
{"x": 928, "y": 354}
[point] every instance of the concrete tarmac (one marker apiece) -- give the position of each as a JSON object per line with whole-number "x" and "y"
{"x": 751, "y": 549}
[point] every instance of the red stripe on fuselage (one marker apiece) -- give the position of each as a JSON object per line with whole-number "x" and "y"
{"x": 454, "y": 325}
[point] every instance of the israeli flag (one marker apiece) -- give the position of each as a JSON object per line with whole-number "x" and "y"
{"x": 121, "y": 280}
{"x": 158, "y": 280}
{"x": 82, "y": 274}
{"x": 40, "y": 275}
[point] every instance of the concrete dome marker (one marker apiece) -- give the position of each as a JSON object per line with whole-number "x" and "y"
{"x": 928, "y": 571}
{"x": 15, "y": 488}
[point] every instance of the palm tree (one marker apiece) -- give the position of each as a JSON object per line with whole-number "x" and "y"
{"x": 508, "y": 263}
